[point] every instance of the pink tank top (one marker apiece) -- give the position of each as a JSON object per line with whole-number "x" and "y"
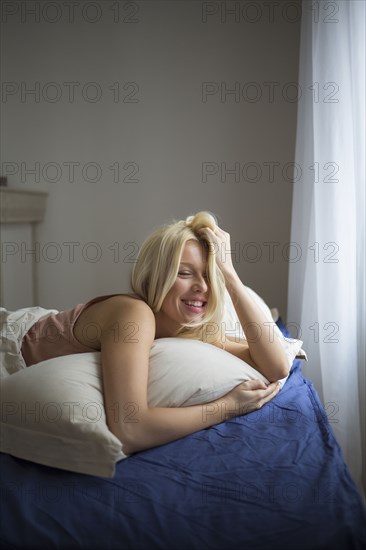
{"x": 53, "y": 336}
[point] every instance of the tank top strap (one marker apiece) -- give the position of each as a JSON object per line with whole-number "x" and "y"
{"x": 82, "y": 307}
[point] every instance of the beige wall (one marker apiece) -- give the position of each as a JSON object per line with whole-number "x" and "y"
{"x": 172, "y": 132}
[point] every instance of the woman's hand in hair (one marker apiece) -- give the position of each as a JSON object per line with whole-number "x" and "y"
{"x": 222, "y": 248}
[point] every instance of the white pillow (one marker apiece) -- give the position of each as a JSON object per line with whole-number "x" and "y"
{"x": 53, "y": 413}
{"x": 189, "y": 372}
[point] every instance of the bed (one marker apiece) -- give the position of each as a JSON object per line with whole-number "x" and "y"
{"x": 272, "y": 479}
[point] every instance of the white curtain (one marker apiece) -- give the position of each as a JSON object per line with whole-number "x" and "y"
{"x": 327, "y": 277}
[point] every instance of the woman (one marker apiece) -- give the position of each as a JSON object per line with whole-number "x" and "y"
{"x": 179, "y": 282}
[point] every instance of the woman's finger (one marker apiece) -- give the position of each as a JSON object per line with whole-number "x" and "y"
{"x": 255, "y": 384}
{"x": 270, "y": 396}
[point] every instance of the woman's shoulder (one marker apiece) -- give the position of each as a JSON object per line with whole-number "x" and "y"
{"x": 101, "y": 308}
{"x": 117, "y": 304}
{"x": 113, "y": 310}
{"x": 123, "y": 309}
{"x": 129, "y": 300}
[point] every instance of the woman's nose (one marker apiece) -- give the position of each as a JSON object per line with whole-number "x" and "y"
{"x": 200, "y": 284}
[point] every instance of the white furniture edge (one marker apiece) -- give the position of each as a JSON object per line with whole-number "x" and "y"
{"x": 18, "y": 205}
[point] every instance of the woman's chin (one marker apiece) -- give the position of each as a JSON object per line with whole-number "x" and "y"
{"x": 193, "y": 318}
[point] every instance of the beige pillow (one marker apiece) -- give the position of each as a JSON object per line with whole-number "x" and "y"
{"x": 53, "y": 413}
{"x": 188, "y": 372}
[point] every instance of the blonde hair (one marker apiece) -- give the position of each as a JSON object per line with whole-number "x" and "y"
{"x": 157, "y": 265}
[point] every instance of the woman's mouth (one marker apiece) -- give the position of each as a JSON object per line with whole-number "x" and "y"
{"x": 195, "y": 306}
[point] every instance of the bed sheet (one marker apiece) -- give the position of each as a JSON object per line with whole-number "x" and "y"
{"x": 273, "y": 479}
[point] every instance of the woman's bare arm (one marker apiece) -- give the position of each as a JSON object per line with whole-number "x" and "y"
{"x": 265, "y": 351}
{"x": 127, "y": 335}
{"x": 161, "y": 425}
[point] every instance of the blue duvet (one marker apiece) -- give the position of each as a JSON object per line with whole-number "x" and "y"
{"x": 273, "y": 479}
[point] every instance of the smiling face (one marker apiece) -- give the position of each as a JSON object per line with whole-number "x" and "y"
{"x": 186, "y": 300}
